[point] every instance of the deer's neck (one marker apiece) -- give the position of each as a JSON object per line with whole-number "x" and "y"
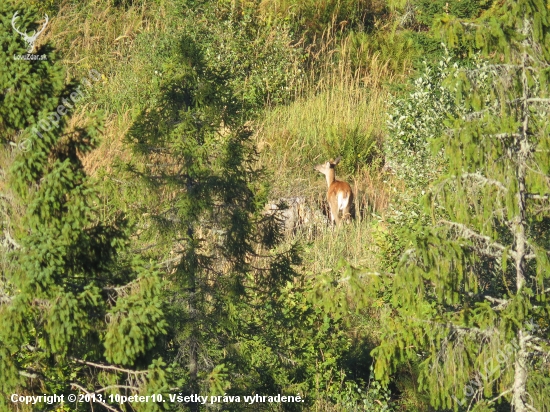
{"x": 331, "y": 177}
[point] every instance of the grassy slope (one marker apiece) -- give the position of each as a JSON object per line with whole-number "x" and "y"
{"x": 340, "y": 109}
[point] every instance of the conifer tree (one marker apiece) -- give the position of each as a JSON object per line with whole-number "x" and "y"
{"x": 471, "y": 292}
{"x": 78, "y": 313}
{"x": 204, "y": 214}
{"x": 27, "y": 89}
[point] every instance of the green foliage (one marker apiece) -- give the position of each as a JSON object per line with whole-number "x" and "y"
{"x": 259, "y": 62}
{"x": 313, "y": 18}
{"x": 467, "y": 291}
{"x": 415, "y": 120}
{"x": 426, "y": 10}
{"x": 416, "y": 117}
{"x": 376, "y": 397}
{"x": 28, "y": 89}
{"x": 227, "y": 311}
{"x": 71, "y": 286}
{"x": 226, "y": 274}
{"x": 417, "y": 16}
{"x": 231, "y": 296}
{"x": 353, "y": 297}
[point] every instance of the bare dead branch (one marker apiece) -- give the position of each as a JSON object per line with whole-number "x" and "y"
{"x": 106, "y": 388}
{"x": 502, "y": 303}
{"x": 538, "y": 100}
{"x": 462, "y": 330}
{"x": 537, "y": 197}
{"x": 537, "y": 348}
{"x": 468, "y": 233}
{"x": 28, "y": 375}
{"x": 77, "y": 386}
{"x": 506, "y": 392}
{"x": 531, "y": 408}
{"x": 484, "y": 180}
{"x": 8, "y": 237}
{"x": 501, "y": 136}
{"x": 109, "y": 367}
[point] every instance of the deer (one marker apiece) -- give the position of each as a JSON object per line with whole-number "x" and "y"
{"x": 28, "y": 39}
{"x": 339, "y": 194}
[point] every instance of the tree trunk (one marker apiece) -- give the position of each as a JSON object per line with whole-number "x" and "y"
{"x": 519, "y": 389}
{"x": 193, "y": 369}
{"x": 193, "y": 339}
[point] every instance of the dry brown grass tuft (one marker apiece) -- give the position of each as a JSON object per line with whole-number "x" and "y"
{"x": 112, "y": 145}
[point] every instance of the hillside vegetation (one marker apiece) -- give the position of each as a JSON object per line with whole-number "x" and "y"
{"x": 164, "y": 233}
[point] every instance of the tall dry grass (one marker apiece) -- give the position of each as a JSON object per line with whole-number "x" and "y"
{"x": 97, "y": 35}
{"x": 340, "y": 110}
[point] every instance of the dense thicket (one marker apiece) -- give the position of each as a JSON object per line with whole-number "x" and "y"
{"x": 136, "y": 252}
{"x": 78, "y": 311}
{"x": 471, "y": 289}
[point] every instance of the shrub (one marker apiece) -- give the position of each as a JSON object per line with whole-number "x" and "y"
{"x": 416, "y": 119}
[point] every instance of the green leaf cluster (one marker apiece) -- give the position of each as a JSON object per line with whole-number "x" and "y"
{"x": 473, "y": 279}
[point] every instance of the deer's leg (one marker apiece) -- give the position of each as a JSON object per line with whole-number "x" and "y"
{"x": 346, "y": 215}
{"x": 335, "y": 213}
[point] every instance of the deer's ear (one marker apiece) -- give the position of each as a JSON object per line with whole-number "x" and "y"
{"x": 337, "y": 160}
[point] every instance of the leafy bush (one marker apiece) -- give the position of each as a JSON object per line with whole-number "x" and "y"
{"x": 416, "y": 119}
{"x": 261, "y": 62}
{"x": 311, "y": 18}
{"x": 413, "y": 121}
{"x": 376, "y": 397}
{"x": 427, "y": 9}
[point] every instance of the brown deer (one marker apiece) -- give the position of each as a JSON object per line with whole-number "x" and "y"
{"x": 339, "y": 194}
